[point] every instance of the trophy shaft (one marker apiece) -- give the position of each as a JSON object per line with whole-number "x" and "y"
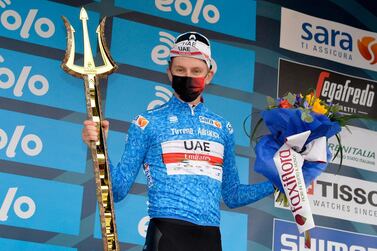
{"x": 101, "y": 166}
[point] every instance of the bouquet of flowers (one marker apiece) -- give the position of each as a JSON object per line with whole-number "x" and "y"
{"x": 296, "y": 151}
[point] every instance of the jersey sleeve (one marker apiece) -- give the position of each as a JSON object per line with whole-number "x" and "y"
{"x": 235, "y": 194}
{"x": 124, "y": 173}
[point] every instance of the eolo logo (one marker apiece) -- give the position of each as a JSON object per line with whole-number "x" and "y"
{"x": 368, "y": 49}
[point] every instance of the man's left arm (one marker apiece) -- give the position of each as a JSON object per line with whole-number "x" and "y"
{"x": 235, "y": 194}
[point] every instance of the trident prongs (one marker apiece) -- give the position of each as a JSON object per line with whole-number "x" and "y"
{"x": 89, "y": 67}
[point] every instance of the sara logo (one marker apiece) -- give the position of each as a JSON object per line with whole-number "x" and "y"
{"x": 322, "y": 35}
{"x": 327, "y": 41}
{"x": 368, "y": 49}
{"x": 326, "y": 38}
{"x": 212, "y": 122}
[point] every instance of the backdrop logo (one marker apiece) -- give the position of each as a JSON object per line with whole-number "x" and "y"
{"x": 18, "y": 143}
{"x": 368, "y": 49}
{"x": 286, "y": 237}
{"x": 211, "y": 15}
{"x": 160, "y": 53}
{"x": 37, "y": 84}
{"x": 354, "y": 95}
{"x": 327, "y": 39}
{"x": 359, "y": 148}
{"x": 31, "y": 144}
{"x": 14, "y": 21}
{"x": 347, "y": 193}
{"x": 163, "y": 94}
{"x": 143, "y": 226}
{"x": 23, "y": 212}
{"x": 208, "y": 12}
{"x": 343, "y": 92}
{"x": 343, "y": 197}
{"x": 4, "y": 3}
{"x": 33, "y": 203}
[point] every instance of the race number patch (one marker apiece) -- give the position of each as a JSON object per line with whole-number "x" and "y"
{"x": 193, "y": 157}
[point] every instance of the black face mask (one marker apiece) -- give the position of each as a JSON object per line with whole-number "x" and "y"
{"x": 188, "y": 88}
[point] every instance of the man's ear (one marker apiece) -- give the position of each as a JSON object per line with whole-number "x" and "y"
{"x": 170, "y": 76}
{"x": 209, "y": 77}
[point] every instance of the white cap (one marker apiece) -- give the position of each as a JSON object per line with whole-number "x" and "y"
{"x": 192, "y": 44}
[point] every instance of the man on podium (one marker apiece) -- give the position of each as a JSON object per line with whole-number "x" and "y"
{"x": 187, "y": 153}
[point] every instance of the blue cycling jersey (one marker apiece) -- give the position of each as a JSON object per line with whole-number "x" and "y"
{"x": 188, "y": 158}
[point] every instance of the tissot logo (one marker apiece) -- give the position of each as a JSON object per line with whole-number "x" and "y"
{"x": 343, "y": 198}
{"x": 345, "y": 192}
{"x": 354, "y": 95}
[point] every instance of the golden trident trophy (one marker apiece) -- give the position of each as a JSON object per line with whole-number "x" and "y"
{"x": 91, "y": 74}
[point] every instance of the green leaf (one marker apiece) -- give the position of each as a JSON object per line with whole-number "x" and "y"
{"x": 271, "y": 102}
{"x": 306, "y": 117}
{"x": 335, "y": 108}
{"x": 291, "y": 98}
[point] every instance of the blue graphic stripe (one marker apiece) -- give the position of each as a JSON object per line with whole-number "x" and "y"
{"x": 34, "y": 22}
{"x": 210, "y": 14}
{"x": 8, "y": 244}
{"x": 57, "y": 206}
{"x": 43, "y": 142}
{"x": 39, "y": 80}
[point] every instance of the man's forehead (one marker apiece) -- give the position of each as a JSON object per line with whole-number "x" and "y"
{"x": 188, "y": 62}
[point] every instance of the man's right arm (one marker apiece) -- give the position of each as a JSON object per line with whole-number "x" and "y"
{"x": 124, "y": 173}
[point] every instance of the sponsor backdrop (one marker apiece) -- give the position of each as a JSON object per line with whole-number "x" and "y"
{"x": 261, "y": 48}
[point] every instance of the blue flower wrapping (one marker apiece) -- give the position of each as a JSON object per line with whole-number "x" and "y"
{"x": 283, "y": 123}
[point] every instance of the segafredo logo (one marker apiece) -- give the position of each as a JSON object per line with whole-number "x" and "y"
{"x": 327, "y": 39}
{"x": 354, "y": 95}
{"x": 368, "y": 49}
{"x": 346, "y": 91}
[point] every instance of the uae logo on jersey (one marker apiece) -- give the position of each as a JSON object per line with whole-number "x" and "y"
{"x": 193, "y": 157}
{"x": 211, "y": 122}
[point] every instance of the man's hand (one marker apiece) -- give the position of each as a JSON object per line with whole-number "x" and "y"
{"x": 90, "y": 132}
